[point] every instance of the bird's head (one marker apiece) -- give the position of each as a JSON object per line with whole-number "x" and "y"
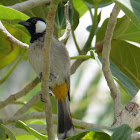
{"x": 36, "y": 27}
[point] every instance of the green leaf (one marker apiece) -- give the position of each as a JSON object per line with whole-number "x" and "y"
{"x": 22, "y": 125}
{"x": 91, "y": 134}
{"x": 80, "y": 6}
{"x": 39, "y": 11}
{"x": 125, "y": 29}
{"x": 8, "y": 50}
{"x": 25, "y": 137}
{"x": 131, "y": 9}
{"x": 2, "y": 132}
{"x": 123, "y": 80}
{"x": 75, "y": 18}
{"x": 123, "y": 54}
{"x": 100, "y": 3}
{"x": 122, "y": 132}
{"x": 9, "y": 133}
{"x": 126, "y": 83}
{"x": 126, "y": 57}
{"x": 60, "y": 17}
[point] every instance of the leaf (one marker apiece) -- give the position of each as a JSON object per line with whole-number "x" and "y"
{"x": 100, "y": 3}
{"x": 9, "y": 132}
{"x": 123, "y": 80}
{"x": 123, "y": 54}
{"x": 22, "y": 125}
{"x": 80, "y": 6}
{"x": 126, "y": 57}
{"x": 75, "y": 18}
{"x": 60, "y": 17}
{"x": 131, "y": 9}
{"x": 39, "y": 11}
{"x": 25, "y": 137}
{"x": 122, "y": 132}
{"x": 91, "y": 134}
{"x": 8, "y": 50}
{"x": 2, "y": 132}
{"x": 125, "y": 29}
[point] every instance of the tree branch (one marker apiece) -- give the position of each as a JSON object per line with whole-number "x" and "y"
{"x": 32, "y": 101}
{"x": 68, "y": 27}
{"x": 23, "y": 6}
{"x": 46, "y": 68}
{"x": 41, "y": 128}
{"x": 136, "y": 136}
{"x": 20, "y": 94}
{"x": 115, "y": 93}
{"x": 12, "y": 38}
{"x": 41, "y": 115}
{"x": 38, "y": 127}
{"x": 130, "y": 114}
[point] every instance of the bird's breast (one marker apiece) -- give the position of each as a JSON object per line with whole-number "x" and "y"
{"x": 36, "y": 58}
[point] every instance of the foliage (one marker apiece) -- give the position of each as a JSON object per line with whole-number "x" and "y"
{"x": 124, "y": 57}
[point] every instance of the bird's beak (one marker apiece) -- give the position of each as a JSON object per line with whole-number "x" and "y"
{"x": 24, "y": 23}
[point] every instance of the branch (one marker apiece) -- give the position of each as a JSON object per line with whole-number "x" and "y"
{"x": 23, "y": 6}
{"x": 75, "y": 41}
{"x": 77, "y": 63}
{"x": 11, "y": 38}
{"x": 115, "y": 93}
{"x": 130, "y": 114}
{"x": 41, "y": 115}
{"x": 20, "y": 94}
{"x": 38, "y": 127}
{"x": 135, "y": 136}
{"x": 32, "y": 101}
{"x": 46, "y": 68}
{"x": 68, "y": 27}
{"x": 41, "y": 128}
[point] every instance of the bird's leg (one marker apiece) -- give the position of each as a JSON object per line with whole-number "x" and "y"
{"x": 50, "y": 77}
{"x": 40, "y": 76}
{"x": 41, "y": 97}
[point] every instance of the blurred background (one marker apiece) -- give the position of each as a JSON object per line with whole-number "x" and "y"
{"x": 90, "y": 95}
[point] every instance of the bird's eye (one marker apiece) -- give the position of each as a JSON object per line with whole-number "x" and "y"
{"x": 33, "y": 20}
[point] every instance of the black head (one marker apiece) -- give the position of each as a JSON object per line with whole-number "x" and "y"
{"x": 36, "y": 27}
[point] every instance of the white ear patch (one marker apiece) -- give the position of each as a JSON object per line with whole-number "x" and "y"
{"x": 40, "y": 27}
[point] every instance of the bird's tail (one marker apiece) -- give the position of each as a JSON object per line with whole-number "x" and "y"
{"x": 65, "y": 125}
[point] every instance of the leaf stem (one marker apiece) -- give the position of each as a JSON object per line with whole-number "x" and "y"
{"x": 93, "y": 28}
{"x": 74, "y": 38}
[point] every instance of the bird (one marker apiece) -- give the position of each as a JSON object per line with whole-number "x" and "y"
{"x": 59, "y": 78}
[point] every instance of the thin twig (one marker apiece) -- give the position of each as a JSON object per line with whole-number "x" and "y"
{"x": 11, "y": 38}
{"x": 77, "y": 63}
{"x": 41, "y": 115}
{"x": 115, "y": 93}
{"x": 32, "y": 101}
{"x": 46, "y": 68}
{"x": 68, "y": 27}
{"x": 75, "y": 41}
{"x": 20, "y": 94}
{"x": 26, "y": 5}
